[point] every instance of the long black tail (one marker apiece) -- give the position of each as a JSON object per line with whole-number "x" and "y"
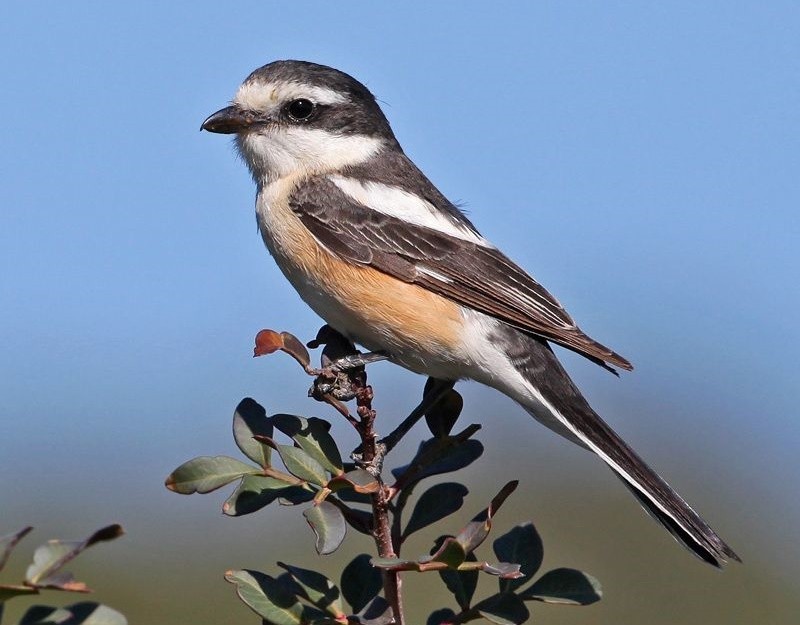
{"x": 555, "y": 400}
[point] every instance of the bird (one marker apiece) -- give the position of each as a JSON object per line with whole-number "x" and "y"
{"x": 379, "y": 253}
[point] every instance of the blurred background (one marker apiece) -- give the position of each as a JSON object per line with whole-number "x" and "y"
{"x": 641, "y": 159}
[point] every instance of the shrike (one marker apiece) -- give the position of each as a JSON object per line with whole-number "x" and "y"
{"x": 385, "y": 259}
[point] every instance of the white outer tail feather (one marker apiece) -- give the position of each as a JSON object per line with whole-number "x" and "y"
{"x": 512, "y": 362}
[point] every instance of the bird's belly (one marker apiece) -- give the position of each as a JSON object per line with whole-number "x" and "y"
{"x": 420, "y": 330}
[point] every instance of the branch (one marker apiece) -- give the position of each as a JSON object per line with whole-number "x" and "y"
{"x": 372, "y": 458}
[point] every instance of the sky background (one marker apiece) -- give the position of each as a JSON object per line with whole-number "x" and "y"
{"x": 641, "y": 159}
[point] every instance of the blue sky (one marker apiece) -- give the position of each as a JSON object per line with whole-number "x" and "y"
{"x": 641, "y": 159}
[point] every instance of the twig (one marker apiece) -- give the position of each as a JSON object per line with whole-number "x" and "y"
{"x": 372, "y": 455}
{"x": 343, "y": 377}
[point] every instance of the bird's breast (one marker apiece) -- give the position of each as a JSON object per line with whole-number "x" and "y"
{"x": 421, "y": 330}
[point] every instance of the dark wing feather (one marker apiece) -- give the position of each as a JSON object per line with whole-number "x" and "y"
{"x": 477, "y": 276}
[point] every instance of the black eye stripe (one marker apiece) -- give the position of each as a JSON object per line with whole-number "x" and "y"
{"x": 300, "y": 109}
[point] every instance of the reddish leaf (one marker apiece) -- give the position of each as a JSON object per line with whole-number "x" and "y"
{"x": 267, "y": 342}
{"x": 295, "y": 348}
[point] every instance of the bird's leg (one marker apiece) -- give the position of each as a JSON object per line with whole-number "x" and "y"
{"x": 354, "y": 361}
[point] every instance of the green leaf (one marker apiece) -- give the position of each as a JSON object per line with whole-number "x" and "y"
{"x": 50, "y": 558}
{"x": 9, "y": 541}
{"x": 9, "y": 591}
{"x": 478, "y": 529}
{"x": 462, "y": 584}
{"x": 445, "y": 615}
{"x": 564, "y": 585}
{"x": 378, "y": 612}
{"x": 443, "y": 415}
{"x": 358, "y": 479}
{"x": 521, "y": 545}
{"x": 396, "y": 564}
{"x": 294, "y": 495}
{"x": 249, "y": 420}
{"x": 436, "y": 456}
{"x": 207, "y": 473}
{"x": 352, "y": 496}
{"x": 448, "y": 551}
{"x": 317, "y": 588}
{"x": 503, "y": 570}
{"x": 268, "y": 598}
{"x": 302, "y": 465}
{"x": 328, "y": 524}
{"x": 84, "y": 613}
{"x": 435, "y": 504}
{"x": 361, "y": 582}
{"x": 256, "y": 491}
{"x": 503, "y": 609}
{"x": 360, "y": 520}
{"x": 313, "y": 437}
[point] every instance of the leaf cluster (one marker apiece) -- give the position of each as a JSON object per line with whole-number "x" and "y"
{"x": 308, "y": 470}
{"x": 519, "y": 555}
{"x": 301, "y": 596}
{"x": 46, "y": 572}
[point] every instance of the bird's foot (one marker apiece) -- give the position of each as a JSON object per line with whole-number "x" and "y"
{"x": 342, "y": 372}
{"x": 354, "y": 361}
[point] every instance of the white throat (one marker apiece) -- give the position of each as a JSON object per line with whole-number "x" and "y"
{"x": 274, "y": 152}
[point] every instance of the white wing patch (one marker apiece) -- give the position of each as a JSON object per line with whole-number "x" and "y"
{"x": 433, "y": 274}
{"x": 401, "y": 204}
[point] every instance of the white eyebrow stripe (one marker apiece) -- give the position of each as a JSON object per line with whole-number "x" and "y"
{"x": 398, "y": 203}
{"x": 259, "y": 96}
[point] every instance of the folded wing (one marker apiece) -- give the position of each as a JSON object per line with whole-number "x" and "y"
{"x": 466, "y": 270}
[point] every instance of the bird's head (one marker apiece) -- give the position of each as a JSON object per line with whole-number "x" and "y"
{"x": 293, "y": 117}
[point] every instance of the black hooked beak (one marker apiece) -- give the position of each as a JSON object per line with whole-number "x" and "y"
{"x": 230, "y": 120}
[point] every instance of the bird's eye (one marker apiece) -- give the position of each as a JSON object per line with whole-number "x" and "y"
{"x": 300, "y": 109}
